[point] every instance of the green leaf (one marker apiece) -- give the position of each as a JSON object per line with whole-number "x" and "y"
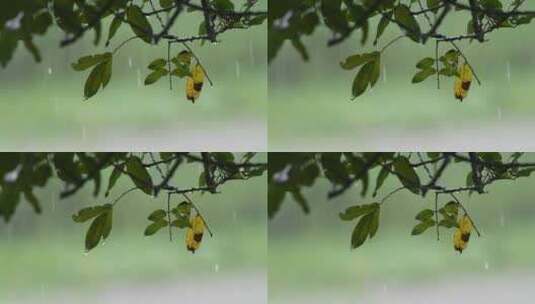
{"x": 451, "y": 208}
{"x": 99, "y": 77}
{"x": 300, "y": 48}
{"x": 381, "y": 177}
{"x": 32, "y": 200}
{"x": 32, "y": 48}
{"x": 224, "y": 5}
{"x": 422, "y": 227}
{"x": 224, "y": 157}
{"x": 376, "y": 71}
{"x": 374, "y": 224}
{"x": 181, "y": 71}
{"x": 114, "y": 26}
{"x": 356, "y": 60}
{"x": 86, "y": 62}
{"x": 333, "y": 168}
{"x": 406, "y": 174}
{"x": 106, "y": 72}
{"x": 99, "y": 229}
{"x": 182, "y": 210}
{"x": 361, "y": 231}
{"x": 9, "y": 41}
{"x": 469, "y": 179}
{"x": 139, "y": 23}
{"x": 424, "y": 214}
{"x": 491, "y": 156}
{"x": 448, "y": 222}
{"x": 155, "y": 76}
{"x": 361, "y": 81}
{"x": 383, "y": 23}
{"x": 181, "y": 222}
{"x": 139, "y": 174}
{"x": 407, "y": 22}
{"x": 354, "y": 212}
{"x": 423, "y": 75}
{"x": 157, "y": 215}
{"x": 89, "y": 213}
{"x": 157, "y": 64}
{"x": 115, "y": 174}
{"x": 301, "y": 201}
{"x": 425, "y": 63}
{"x": 154, "y": 227}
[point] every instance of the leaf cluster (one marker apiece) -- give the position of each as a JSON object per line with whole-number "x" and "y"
{"x": 148, "y": 173}
{"x": 419, "y": 21}
{"x": 417, "y": 173}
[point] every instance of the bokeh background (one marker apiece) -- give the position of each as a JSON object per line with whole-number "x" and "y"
{"x": 42, "y": 104}
{"x": 310, "y": 260}
{"x": 43, "y": 259}
{"x": 311, "y": 109}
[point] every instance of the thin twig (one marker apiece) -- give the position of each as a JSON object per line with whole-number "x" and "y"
{"x": 115, "y": 201}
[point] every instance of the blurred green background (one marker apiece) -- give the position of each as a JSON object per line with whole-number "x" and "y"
{"x": 311, "y": 109}
{"x": 42, "y": 104}
{"x": 43, "y": 259}
{"x": 310, "y": 260}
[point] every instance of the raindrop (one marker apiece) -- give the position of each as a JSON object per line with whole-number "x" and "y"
{"x": 384, "y": 73}
{"x": 85, "y": 253}
{"x": 486, "y": 265}
{"x": 237, "y": 69}
{"x": 103, "y": 243}
{"x": 234, "y": 215}
{"x": 502, "y": 220}
{"x": 138, "y": 78}
{"x": 385, "y": 288}
{"x": 216, "y": 268}
{"x": 49, "y": 71}
{"x": 130, "y": 62}
{"x": 499, "y": 110}
{"x": 508, "y": 71}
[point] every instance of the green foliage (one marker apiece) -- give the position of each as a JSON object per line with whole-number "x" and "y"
{"x": 151, "y": 173}
{"x": 24, "y": 20}
{"x": 139, "y": 174}
{"x": 420, "y": 21}
{"x": 417, "y": 173}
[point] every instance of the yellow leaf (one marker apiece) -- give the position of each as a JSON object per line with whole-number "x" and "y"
{"x": 465, "y": 225}
{"x": 194, "y": 83}
{"x": 194, "y": 234}
{"x": 191, "y": 93}
{"x": 463, "y": 81}
{"x": 458, "y": 243}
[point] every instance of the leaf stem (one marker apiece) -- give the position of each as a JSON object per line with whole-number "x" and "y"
{"x": 123, "y": 43}
{"x": 392, "y": 42}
